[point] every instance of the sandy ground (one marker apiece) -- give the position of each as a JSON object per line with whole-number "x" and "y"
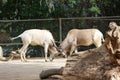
{"x": 17, "y": 70}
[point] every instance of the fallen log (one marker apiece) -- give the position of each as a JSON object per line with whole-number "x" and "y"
{"x": 47, "y": 73}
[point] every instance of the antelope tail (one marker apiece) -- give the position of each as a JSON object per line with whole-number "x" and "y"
{"x": 15, "y": 37}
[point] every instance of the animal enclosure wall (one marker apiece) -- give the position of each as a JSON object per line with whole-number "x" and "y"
{"x": 58, "y": 27}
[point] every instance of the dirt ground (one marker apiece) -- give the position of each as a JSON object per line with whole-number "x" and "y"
{"x": 17, "y": 70}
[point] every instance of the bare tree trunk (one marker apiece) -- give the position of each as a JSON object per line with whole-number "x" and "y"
{"x": 92, "y": 65}
{"x": 96, "y": 64}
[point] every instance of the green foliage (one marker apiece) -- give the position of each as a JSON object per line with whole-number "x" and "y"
{"x": 72, "y": 1}
{"x": 35, "y": 9}
{"x": 95, "y": 9}
{"x": 4, "y": 1}
{"x": 49, "y": 4}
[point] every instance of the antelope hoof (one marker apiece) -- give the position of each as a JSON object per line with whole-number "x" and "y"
{"x": 46, "y": 60}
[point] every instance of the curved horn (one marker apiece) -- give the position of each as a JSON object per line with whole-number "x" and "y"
{"x": 54, "y": 43}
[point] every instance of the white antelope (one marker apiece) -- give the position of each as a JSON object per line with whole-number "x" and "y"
{"x": 34, "y": 37}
